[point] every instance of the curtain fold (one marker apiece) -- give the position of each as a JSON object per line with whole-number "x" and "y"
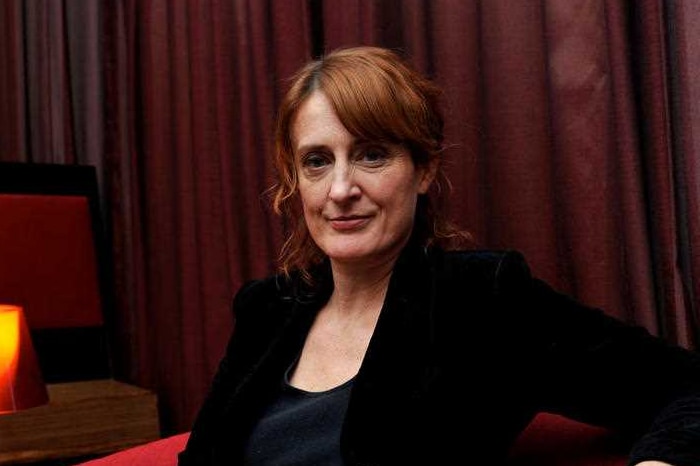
{"x": 193, "y": 123}
{"x": 12, "y": 86}
{"x": 587, "y": 169}
{"x": 572, "y": 132}
{"x": 629, "y": 210}
{"x": 682, "y": 18}
{"x": 658, "y": 162}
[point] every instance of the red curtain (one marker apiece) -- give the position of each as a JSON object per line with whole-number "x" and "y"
{"x": 192, "y": 90}
{"x": 571, "y": 124}
{"x": 684, "y": 38}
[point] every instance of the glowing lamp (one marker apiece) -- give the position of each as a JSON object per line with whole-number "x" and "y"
{"x": 21, "y": 384}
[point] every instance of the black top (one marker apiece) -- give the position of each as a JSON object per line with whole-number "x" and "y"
{"x": 299, "y": 427}
{"x": 467, "y": 349}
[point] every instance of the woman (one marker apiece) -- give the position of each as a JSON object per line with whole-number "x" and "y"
{"x": 383, "y": 340}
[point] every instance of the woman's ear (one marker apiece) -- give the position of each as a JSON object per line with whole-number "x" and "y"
{"x": 427, "y": 175}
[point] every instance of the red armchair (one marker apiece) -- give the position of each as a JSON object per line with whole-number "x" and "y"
{"x": 549, "y": 440}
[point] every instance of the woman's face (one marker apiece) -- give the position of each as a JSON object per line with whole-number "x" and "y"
{"x": 359, "y": 197}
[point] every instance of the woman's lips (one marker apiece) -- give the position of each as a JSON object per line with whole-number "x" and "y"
{"x": 348, "y": 223}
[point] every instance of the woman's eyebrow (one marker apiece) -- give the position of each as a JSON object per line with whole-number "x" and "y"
{"x": 310, "y": 147}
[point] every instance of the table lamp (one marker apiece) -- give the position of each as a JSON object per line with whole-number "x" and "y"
{"x": 21, "y": 383}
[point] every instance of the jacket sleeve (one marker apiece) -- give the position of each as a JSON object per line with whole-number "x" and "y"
{"x": 208, "y": 425}
{"x": 597, "y": 369}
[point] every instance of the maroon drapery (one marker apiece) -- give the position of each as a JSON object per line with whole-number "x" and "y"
{"x": 684, "y": 41}
{"x": 570, "y": 123}
{"x": 12, "y": 114}
{"x": 192, "y": 130}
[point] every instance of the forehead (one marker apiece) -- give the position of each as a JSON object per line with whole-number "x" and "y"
{"x": 316, "y": 123}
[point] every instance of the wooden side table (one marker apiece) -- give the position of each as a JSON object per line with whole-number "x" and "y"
{"x": 81, "y": 419}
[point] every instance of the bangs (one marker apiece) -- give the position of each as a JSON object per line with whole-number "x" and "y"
{"x": 375, "y": 103}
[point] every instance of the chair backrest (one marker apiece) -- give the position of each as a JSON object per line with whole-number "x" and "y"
{"x": 55, "y": 263}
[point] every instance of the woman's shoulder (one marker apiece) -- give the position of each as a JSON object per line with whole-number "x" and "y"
{"x": 478, "y": 255}
{"x": 279, "y": 289}
{"x": 480, "y": 259}
{"x": 271, "y": 287}
{"x": 481, "y": 268}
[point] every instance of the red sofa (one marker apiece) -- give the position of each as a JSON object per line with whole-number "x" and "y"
{"x": 549, "y": 440}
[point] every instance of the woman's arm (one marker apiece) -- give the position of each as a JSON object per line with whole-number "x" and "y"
{"x": 596, "y": 369}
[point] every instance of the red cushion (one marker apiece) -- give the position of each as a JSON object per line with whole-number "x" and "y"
{"x": 552, "y": 440}
{"x": 161, "y": 452}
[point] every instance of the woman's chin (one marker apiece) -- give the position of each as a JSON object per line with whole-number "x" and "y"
{"x": 348, "y": 255}
{"x": 353, "y": 250}
{"x": 358, "y": 255}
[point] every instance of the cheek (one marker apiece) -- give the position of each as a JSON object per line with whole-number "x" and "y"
{"x": 399, "y": 199}
{"x": 409, "y": 187}
{"x": 312, "y": 195}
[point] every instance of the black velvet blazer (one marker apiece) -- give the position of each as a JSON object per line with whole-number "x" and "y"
{"x": 467, "y": 349}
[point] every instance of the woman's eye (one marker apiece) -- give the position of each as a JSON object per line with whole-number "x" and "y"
{"x": 373, "y": 155}
{"x": 314, "y": 160}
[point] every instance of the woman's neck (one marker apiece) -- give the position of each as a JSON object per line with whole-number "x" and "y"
{"x": 357, "y": 289}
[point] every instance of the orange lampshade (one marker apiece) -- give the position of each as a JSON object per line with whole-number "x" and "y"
{"x": 21, "y": 384}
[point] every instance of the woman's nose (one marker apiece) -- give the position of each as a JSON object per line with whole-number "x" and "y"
{"x": 343, "y": 184}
